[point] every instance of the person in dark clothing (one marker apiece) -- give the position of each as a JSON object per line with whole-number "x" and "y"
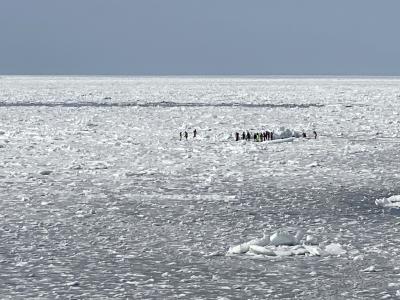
{"x": 271, "y": 135}
{"x": 237, "y": 136}
{"x": 304, "y": 135}
{"x": 194, "y": 133}
{"x": 186, "y": 135}
{"x": 264, "y": 136}
{"x": 267, "y": 134}
{"x": 255, "y": 137}
{"x": 315, "y": 134}
{"x": 180, "y": 136}
{"x": 243, "y": 136}
{"x": 248, "y": 136}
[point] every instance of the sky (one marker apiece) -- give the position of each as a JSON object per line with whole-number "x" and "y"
{"x": 200, "y": 37}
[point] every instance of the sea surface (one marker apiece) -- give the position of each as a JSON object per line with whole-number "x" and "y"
{"x": 100, "y": 199}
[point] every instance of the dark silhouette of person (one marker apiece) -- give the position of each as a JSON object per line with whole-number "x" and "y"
{"x": 194, "y": 133}
{"x": 255, "y": 137}
{"x": 315, "y": 134}
{"x": 248, "y": 137}
{"x": 271, "y": 135}
{"x": 180, "y": 136}
{"x": 267, "y": 133}
{"x": 237, "y": 136}
{"x": 304, "y": 135}
{"x": 186, "y": 135}
{"x": 243, "y": 136}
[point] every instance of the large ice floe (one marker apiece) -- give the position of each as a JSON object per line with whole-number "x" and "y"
{"x": 284, "y": 242}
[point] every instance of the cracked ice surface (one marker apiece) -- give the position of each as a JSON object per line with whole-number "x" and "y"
{"x": 100, "y": 199}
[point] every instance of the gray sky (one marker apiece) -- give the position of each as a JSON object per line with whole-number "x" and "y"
{"x": 199, "y": 37}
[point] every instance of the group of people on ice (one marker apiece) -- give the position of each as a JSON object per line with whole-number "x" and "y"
{"x": 258, "y": 136}
{"x": 263, "y": 136}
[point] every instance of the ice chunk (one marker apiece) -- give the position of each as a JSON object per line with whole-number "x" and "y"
{"x": 313, "y": 164}
{"x": 239, "y": 249}
{"x": 283, "y": 252}
{"x": 313, "y": 250}
{"x": 393, "y": 201}
{"x": 283, "y": 133}
{"x": 260, "y": 241}
{"x": 335, "y": 249}
{"x": 311, "y": 240}
{"x": 369, "y": 269}
{"x": 261, "y": 250}
{"x": 73, "y": 283}
{"x": 283, "y": 237}
{"x": 299, "y": 251}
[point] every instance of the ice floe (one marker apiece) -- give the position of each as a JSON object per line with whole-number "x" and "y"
{"x": 283, "y": 243}
{"x": 393, "y": 201}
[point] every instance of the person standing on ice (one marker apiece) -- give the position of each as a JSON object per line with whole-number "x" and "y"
{"x": 248, "y": 136}
{"x": 315, "y": 134}
{"x": 304, "y": 135}
{"x": 180, "y": 136}
{"x": 194, "y": 133}
{"x": 237, "y": 136}
{"x": 243, "y": 136}
{"x": 186, "y": 135}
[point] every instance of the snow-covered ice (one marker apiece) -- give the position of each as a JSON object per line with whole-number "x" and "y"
{"x": 100, "y": 199}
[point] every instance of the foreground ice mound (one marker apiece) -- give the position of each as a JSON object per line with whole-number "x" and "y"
{"x": 283, "y": 243}
{"x": 393, "y": 201}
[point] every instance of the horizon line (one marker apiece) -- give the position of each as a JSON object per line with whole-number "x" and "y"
{"x": 211, "y": 75}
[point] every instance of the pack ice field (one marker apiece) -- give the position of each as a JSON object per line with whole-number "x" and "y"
{"x": 101, "y": 198}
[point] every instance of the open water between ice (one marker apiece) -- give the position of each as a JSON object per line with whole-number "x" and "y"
{"x": 99, "y": 198}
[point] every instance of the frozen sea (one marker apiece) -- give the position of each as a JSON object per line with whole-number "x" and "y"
{"x": 100, "y": 199}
